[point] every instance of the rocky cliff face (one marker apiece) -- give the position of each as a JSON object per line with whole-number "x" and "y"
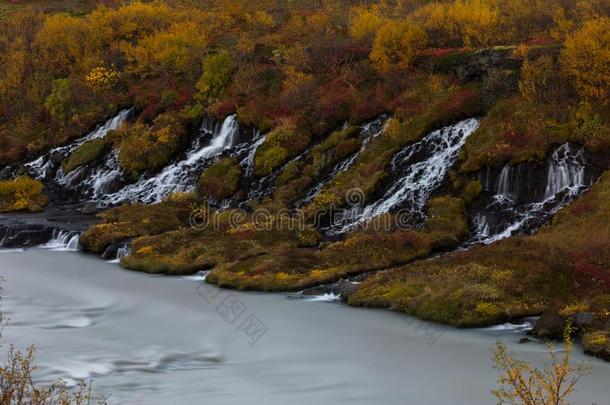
{"x": 478, "y": 64}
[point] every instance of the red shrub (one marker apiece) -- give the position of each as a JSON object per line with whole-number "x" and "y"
{"x": 458, "y": 101}
{"x": 407, "y": 106}
{"x": 368, "y": 105}
{"x": 223, "y": 108}
{"x": 585, "y": 269}
{"x": 581, "y": 207}
{"x": 540, "y": 40}
{"x": 516, "y": 138}
{"x": 438, "y": 52}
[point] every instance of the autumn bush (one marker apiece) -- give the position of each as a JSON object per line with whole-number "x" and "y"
{"x": 522, "y": 383}
{"x": 149, "y": 148}
{"x": 221, "y": 179}
{"x": 22, "y": 194}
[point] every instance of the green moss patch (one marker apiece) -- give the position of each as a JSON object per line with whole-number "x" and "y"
{"x": 85, "y": 154}
{"x": 281, "y": 144}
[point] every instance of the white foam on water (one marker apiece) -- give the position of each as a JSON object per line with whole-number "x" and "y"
{"x": 327, "y": 297}
{"x": 63, "y": 241}
{"x": 199, "y": 277}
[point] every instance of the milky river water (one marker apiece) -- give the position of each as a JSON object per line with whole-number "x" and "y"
{"x": 144, "y": 339}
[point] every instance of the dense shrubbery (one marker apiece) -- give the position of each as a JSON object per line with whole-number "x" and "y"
{"x": 312, "y": 64}
{"x": 22, "y": 194}
{"x": 221, "y": 180}
{"x": 142, "y": 147}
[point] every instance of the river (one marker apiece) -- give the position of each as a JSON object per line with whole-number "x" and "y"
{"x": 147, "y": 339}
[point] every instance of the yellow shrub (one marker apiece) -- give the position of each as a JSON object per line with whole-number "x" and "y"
{"x": 487, "y": 309}
{"x": 572, "y": 309}
{"x": 146, "y": 250}
{"x": 22, "y": 193}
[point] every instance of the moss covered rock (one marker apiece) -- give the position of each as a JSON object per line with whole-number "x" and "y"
{"x": 149, "y": 148}
{"x": 85, "y": 154}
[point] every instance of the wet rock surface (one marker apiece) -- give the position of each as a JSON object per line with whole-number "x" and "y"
{"x": 32, "y": 229}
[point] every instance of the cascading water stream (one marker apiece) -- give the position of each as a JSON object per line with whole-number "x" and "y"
{"x": 121, "y": 252}
{"x": 63, "y": 241}
{"x": 566, "y": 170}
{"x": 248, "y": 162}
{"x": 419, "y": 169}
{"x": 181, "y": 175}
{"x": 265, "y": 186}
{"x": 505, "y": 215}
{"x": 40, "y": 168}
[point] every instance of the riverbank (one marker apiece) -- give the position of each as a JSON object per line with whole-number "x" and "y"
{"x": 475, "y": 288}
{"x": 90, "y": 319}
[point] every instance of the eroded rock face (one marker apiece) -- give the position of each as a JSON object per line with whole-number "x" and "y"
{"x": 475, "y": 65}
{"x": 519, "y": 199}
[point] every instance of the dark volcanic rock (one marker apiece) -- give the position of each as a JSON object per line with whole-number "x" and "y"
{"x": 32, "y": 229}
{"x": 24, "y": 235}
{"x": 346, "y": 288}
{"x": 6, "y": 173}
{"x": 550, "y": 326}
{"x": 319, "y": 290}
{"x": 583, "y": 320}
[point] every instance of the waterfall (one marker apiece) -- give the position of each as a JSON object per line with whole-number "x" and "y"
{"x": 40, "y": 168}
{"x": 505, "y": 181}
{"x": 121, "y": 252}
{"x": 369, "y": 131}
{"x": 566, "y": 170}
{"x": 63, "y": 241}
{"x": 418, "y": 169}
{"x": 248, "y": 162}
{"x": 505, "y": 215}
{"x": 181, "y": 175}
